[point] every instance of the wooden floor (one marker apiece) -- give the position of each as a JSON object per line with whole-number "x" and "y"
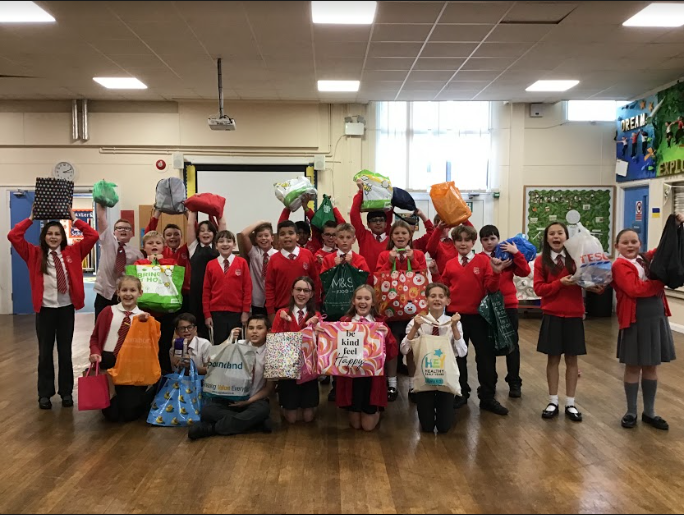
{"x": 69, "y": 461}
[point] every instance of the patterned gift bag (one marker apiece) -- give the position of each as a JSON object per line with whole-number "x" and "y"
{"x": 53, "y": 199}
{"x": 401, "y": 295}
{"x": 178, "y": 402}
{"x": 283, "y": 356}
{"x": 351, "y": 349}
{"x": 309, "y": 358}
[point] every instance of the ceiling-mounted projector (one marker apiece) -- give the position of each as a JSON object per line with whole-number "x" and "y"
{"x": 222, "y": 122}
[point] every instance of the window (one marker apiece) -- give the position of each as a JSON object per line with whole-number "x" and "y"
{"x": 422, "y": 143}
{"x": 593, "y": 110}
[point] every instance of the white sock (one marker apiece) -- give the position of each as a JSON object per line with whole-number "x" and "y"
{"x": 410, "y": 383}
{"x": 553, "y": 399}
{"x": 392, "y": 382}
{"x": 570, "y": 403}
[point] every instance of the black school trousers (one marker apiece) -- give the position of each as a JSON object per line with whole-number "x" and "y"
{"x": 224, "y": 322}
{"x": 130, "y": 402}
{"x": 435, "y": 409}
{"x": 230, "y": 420}
{"x": 55, "y": 324}
{"x": 513, "y": 359}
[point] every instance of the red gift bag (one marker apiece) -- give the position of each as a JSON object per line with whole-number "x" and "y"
{"x": 400, "y": 294}
{"x": 207, "y": 203}
{"x": 93, "y": 390}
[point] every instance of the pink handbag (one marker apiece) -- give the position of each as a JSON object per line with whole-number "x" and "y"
{"x": 93, "y": 390}
{"x": 309, "y": 358}
{"x": 351, "y": 349}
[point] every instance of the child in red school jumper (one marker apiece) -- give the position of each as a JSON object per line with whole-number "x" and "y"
{"x": 645, "y": 338}
{"x": 399, "y": 254}
{"x": 227, "y": 293}
{"x": 470, "y": 277}
{"x": 111, "y": 327}
{"x": 414, "y": 223}
{"x": 517, "y": 265}
{"x": 287, "y": 265}
{"x": 308, "y": 236}
{"x": 256, "y": 246}
{"x": 56, "y": 280}
{"x": 562, "y": 327}
{"x": 440, "y": 245}
{"x": 328, "y": 248}
{"x": 298, "y": 401}
{"x": 365, "y": 397}
{"x": 174, "y": 250}
{"x": 372, "y": 241}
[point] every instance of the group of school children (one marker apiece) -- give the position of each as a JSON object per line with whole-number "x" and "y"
{"x": 278, "y": 289}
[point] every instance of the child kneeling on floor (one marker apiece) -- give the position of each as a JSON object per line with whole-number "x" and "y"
{"x": 224, "y": 417}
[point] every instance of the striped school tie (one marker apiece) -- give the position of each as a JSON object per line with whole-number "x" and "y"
{"x": 123, "y": 331}
{"x": 120, "y": 262}
{"x": 61, "y": 276}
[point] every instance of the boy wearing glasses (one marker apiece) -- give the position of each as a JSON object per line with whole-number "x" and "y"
{"x": 194, "y": 348}
{"x": 115, "y": 253}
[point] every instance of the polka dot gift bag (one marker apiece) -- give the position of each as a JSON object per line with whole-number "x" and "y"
{"x": 53, "y": 199}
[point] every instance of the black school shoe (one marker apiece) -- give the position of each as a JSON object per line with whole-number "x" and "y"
{"x": 628, "y": 421}
{"x": 460, "y": 401}
{"x": 201, "y": 430}
{"x": 575, "y": 416}
{"x": 67, "y": 401}
{"x": 325, "y": 380}
{"x": 550, "y": 411}
{"x": 412, "y": 396}
{"x": 515, "y": 391}
{"x": 44, "y": 403}
{"x": 392, "y": 394}
{"x": 494, "y": 406}
{"x": 657, "y": 422}
{"x": 332, "y": 395}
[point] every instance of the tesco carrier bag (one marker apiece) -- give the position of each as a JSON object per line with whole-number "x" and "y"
{"x": 592, "y": 264}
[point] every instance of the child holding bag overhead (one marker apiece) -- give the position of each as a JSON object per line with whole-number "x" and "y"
{"x": 108, "y": 337}
{"x": 372, "y": 241}
{"x": 562, "y": 327}
{"x": 400, "y": 255}
{"x": 56, "y": 280}
{"x": 364, "y": 397}
{"x": 256, "y": 246}
{"x": 645, "y": 338}
{"x": 436, "y": 408}
{"x": 295, "y": 398}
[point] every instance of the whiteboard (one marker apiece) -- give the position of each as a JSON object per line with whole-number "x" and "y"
{"x": 249, "y": 195}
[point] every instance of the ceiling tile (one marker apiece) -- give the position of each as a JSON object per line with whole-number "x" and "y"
{"x": 438, "y": 63}
{"x": 502, "y": 49}
{"x": 540, "y": 12}
{"x": 326, "y": 33}
{"x": 350, "y": 67}
{"x": 389, "y": 63}
{"x": 384, "y": 75}
{"x": 401, "y": 32}
{"x": 475, "y": 12}
{"x": 488, "y": 63}
{"x": 465, "y": 75}
{"x": 522, "y": 33}
{"x": 431, "y": 75}
{"x": 341, "y": 50}
{"x": 408, "y": 12}
{"x": 416, "y": 95}
{"x": 460, "y": 33}
{"x": 448, "y": 49}
{"x": 423, "y": 85}
{"x": 603, "y": 13}
{"x": 394, "y": 49}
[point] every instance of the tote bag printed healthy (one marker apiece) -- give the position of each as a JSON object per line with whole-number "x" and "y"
{"x": 436, "y": 367}
{"x": 351, "y": 349}
{"x": 162, "y": 286}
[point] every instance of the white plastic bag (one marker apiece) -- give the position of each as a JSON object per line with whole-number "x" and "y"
{"x": 290, "y": 192}
{"x": 593, "y": 266}
{"x": 377, "y": 191}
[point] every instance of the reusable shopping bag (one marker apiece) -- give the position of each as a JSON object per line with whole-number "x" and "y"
{"x": 593, "y": 266}
{"x": 137, "y": 363}
{"x": 309, "y": 357}
{"x": 179, "y": 401}
{"x": 667, "y": 264}
{"x": 323, "y": 214}
{"x": 351, "y": 349}
{"x": 290, "y": 192}
{"x": 53, "y": 199}
{"x": 402, "y": 199}
{"x": 283, "y": 355}
{"x": 105, "y": 194}
{"x": 162, "y": 286}
{"x": 502, "y": 337}
{"x": 208, "y": 203}
{"x": 436, "y": 367}
{"x": 339, "y": 284}
{"x": 524, "y": 245}
{"x": 230, "y": 371}
{"x": 93, "y": 390}
{"x": 400, "y": 294}
{"x": 449, "y": 204}
{"x": 377, "y": 191}
{"x": 170, "y": 196}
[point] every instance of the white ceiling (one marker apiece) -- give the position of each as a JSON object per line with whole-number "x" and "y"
{"x": 271, "y": 50}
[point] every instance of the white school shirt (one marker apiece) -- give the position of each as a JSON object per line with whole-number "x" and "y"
{"x": 197, "y": 350}
{"x": 51, "y": 296}
{"x": 192, "y": 247}
{"x": 222, "y": 261}
{"x": 459, "y": 346}
{"x": 329, "y": 250}
{"x": 554, "y": 255}
{"x": 258, "y": 380}
{"x": 640, "y": 269}
{"x": 256, "y": 268}
{"x": 287, "y": 254}
{"x": 105, "y": 282}
{"x": 118, "y": 313}
{"x": 368, "y": 317}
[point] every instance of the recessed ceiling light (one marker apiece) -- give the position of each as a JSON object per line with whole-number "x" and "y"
{"x": 345, "y": 13}
{"x": 661, "y": 14}
{"x": 23, "y": 12}
{"x": 338, "y": 85}
{"x": 552, "y": 85}
{"x": 120, "y": 82}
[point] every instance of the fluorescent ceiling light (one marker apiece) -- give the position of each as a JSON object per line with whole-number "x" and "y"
{"x": 120, "y": 82}
{"x": 23, "y": 12}
{"x": 344, "y": 13}
{"x": 552, "y": 85}
{"x": 338, "y": 85}
{"x": 665, "y": 14}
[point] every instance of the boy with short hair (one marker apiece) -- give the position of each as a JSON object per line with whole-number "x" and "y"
{"x": 309, "y": 237}
{"x": 345, "y": 239}
{"x": 194, "y": 348}
{"x": 469, "y": 278}
{"x": 328, "y": 237}
{"x": 287, "y": 265}
{"x": 372, "y": 241}
{"x": 518, "y": 265}
{"x": 256, "y": 245}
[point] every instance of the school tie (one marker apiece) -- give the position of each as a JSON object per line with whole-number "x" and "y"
{"x": 363, "y": 319}
{"x": 123, "y": 331}
{"x": 293, "y": 257}
{"x": 226, "y": 266}
{"x": 379, "y": 238}
{"x": 435, "y": 330}
{"x": 644, "y": 265}
{"x": 61, "y": 276}
{"x": 559, "y": 261}
{"x": 300, "y": 318}
{"x": 264, "y": 265}
{"x": 464, "y": 260}
{"x": 120, "y": 263}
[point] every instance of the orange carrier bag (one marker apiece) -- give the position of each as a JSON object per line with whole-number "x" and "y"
{"x": 449, "y": 204}
{"x": 137, "y": 363}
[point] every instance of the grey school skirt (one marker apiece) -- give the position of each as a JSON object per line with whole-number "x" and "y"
{"x": 648, "y": 341}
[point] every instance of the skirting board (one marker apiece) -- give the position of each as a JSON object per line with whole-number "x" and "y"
{"x": 679, "y": 328}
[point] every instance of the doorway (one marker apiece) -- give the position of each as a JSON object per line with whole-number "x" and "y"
{"x": 636, "y": 213}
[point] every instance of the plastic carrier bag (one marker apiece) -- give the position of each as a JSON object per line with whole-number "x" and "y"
{"x": 105, "y": 194}
{"x": 377, "y": 191}
{"x": 593, "y": 266}
{"x": 524, "y": 245}
{"x": 290, "y": 192}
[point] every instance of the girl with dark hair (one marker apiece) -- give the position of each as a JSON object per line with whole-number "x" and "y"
{"x": 56, "y": 279}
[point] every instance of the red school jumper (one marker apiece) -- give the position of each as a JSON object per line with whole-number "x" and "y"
{"x": 283, "y": 326}
{"x": 316, "y": 241}
{"x": 357, "y": 261}
{"x": 282, "y": 272}
{"x": 556, "y": 299}
{"x": 369, "y": 247}
{"x": 519, "y": 267}
{"x": 469, "y": 284}
{"x": 181, "y": 255}
{"x": 417, "y": 262}
{"x": 230, "y": 291}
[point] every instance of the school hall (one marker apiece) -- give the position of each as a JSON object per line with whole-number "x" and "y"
{"x": 410, "y": 256}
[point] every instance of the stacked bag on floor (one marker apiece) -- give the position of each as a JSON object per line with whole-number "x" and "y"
{"x": 179, "y": 401}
